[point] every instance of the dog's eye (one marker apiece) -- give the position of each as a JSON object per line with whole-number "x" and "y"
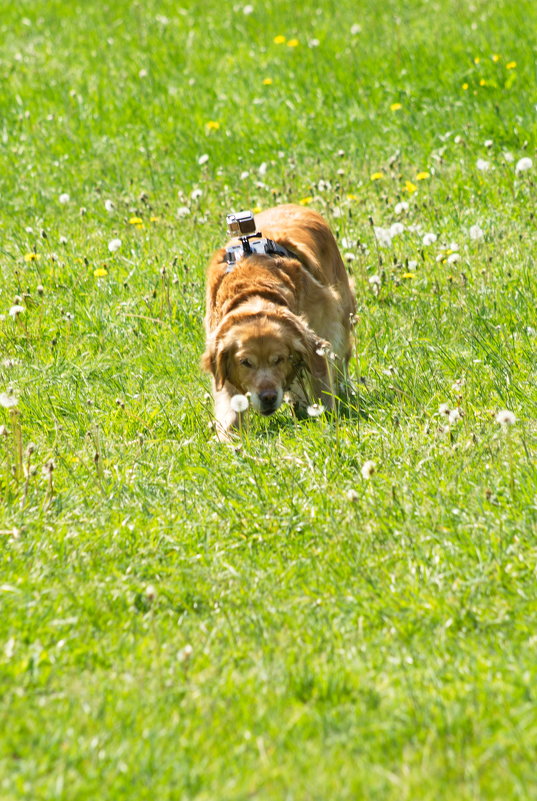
{"x": 246, "y": 363}
{"x": 278, "y": 359}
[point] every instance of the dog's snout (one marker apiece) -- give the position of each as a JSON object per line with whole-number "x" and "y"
{"x": 268, "y": 399}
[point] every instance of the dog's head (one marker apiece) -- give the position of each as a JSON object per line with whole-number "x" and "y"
{"x": 262, "y": 355}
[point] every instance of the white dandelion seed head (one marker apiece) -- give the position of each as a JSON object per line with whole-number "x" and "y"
{"x": 453, "y": 257}
{"x": 64, "y": 198}
{"x": 524, "y": 164}
{"x": 247, "y": 10}
{"x": 352, "y": 496}
{"x": 412, "y": 264}
{"x": 506, "y": 418}
{"x": 63, "y": 240}
{"x": 402, "y": 207}
{"x": 368, "y": 468}
{"x": 383, "y": 236}
{"x": 454, "y": 416}
{"x": 429, "y": 239}
{"x": 356, "y": 29}
{"x": 8, "y": 400}
{"x": 375, "y": 283}
{"x": 183, "y": 211}
{"x": 315, "y": 410}
{"x": 15, "y": 310}
{"x": 203, "y": 159}
{"x": 114, "y": 245}
{"x": 109, "y": 205}
{"x": 508, "y": 157}
{"x": 396, "y": 229}
{"x": 444, "y": 409}
{"x": 482, "y": 165}
{"x": 314, "y": 43}
{"x": 196, "y": 194}
{"x": 476, "y": 233}
{"x": 488, "y": 143}
{"x": 239, "y": 403}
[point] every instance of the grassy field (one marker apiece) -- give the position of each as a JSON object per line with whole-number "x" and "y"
{"x": 184, "y": 620}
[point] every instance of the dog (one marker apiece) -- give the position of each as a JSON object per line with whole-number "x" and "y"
{"x": 276, "y": 313}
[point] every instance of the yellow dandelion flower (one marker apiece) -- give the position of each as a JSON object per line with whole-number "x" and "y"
{"x": 482, "y": 82}
{"x": 212, "y": 125}
{"x": 495, "y": 57}
{"x": 257, "y": 210}
{"x": 292, "y": 43}
{"x": 377, "y": 176}
{"x": 511, "y": 65}
{"x": 140, "y": 226}
{"x": 279, "y": 39}
{"x": 410, "y": 187}
{"x": 135, "y": 221}
{"x": 408, "y": 275}
{"x": 422, "y": 176}
{"x": 477, "y": 60}
{"x": 396, "y": 106}
{"x": 352, "y": 197}
{"x": 305, "y": 201}
{"x": 100, "y": 272}
{"x": 465, "y": 86}
{"x": 31, "y": 257}
{"x": 154, "y": 219}
{"x": 267, "y": 81}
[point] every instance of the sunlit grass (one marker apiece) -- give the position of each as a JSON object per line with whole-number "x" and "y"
{"x": 331, "y": 608}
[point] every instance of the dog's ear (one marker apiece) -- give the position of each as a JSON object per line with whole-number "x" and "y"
{"x": 215, "y": 361}
{"x": 313, "y": 351}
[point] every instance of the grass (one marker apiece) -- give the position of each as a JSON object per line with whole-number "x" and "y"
{"x": 179, "y": 619}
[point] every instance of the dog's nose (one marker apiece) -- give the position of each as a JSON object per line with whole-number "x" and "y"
{"x": 268, "y": 398}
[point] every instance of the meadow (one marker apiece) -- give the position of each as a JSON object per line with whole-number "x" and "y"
{"x": 332, "y": 608}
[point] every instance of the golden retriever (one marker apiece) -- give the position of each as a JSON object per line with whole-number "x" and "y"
{"x": 273, "y": 317}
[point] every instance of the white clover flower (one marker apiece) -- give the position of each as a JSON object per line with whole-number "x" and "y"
{"x": 109, "y": 206}
{"x": 183, "y": 211}
{"x": 114, "y": 245}
{"x": 315, "y": 410}
{"x": 368, "y": 468}
{"x": 506, "y": 418}
{"x": 64, "y": 198}
{"x": 7, "y": 400}
{"x": 476, "y": 233}
{"x": 16, "y": 310}
{"x": 429, "y": 239}
{"x": 524, "y": 164}
{"x": 396, "y": 229}
{"x": 402, "y": 207}
{"x": 482, "y": 165}
{"x": 239, "y": 403}
{"x": 203, "y": 159}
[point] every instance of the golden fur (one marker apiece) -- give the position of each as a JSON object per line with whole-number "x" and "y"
{"x": 271, "y": 316}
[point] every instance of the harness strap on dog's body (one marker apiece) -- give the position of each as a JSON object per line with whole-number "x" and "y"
{"x": 249, "y": 246}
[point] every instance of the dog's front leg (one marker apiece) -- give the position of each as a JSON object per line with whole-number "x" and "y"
{"x": 226, "y": 417}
